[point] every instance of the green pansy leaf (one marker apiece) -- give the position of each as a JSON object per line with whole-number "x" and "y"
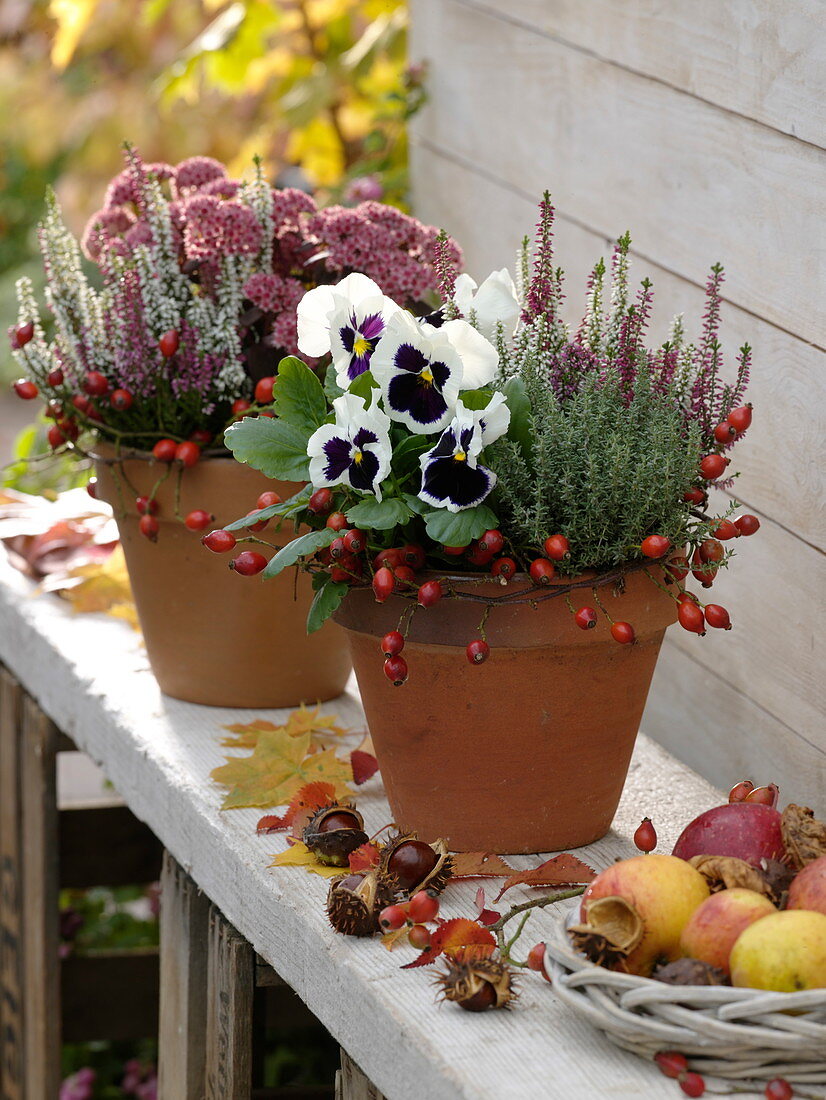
{"x": 476, "y": 399}
{"x": 327, "y": 598}
{"x": 407, "y": 453}
{"x": 371, "y": 514}
{"x": 299, "y": 548}
{"x": 271, "y": 445}
{"x": 298, "y": 396}
{"x": 363, "y": 387}
{"x": 331, "y": 387}
{"x": 459, "y": 528}
{"x": 417, "y": 506}
{"x": 520, "y": 409}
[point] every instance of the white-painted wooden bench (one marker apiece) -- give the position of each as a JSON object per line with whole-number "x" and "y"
{"x": 90, "y": 676}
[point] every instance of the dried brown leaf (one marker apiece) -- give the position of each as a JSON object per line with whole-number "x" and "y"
{"x": 804, "y": 837}
{"x": 479, "y": 865}
{"x": 562, "y": 870}
{"x": 728, "y": 872}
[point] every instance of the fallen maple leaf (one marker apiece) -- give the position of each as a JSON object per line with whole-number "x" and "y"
{"x": 101, "y": 587}
{"x": 320, "y": 726}
{"x": 390, "y": 939}
{"x": 451, "y": 936}
{"x": 299, "y": 855}
{"x": 364, "y": 766}
{"x": 303, "y": 805}
{"x": 562, "y": 870}
{"x": 269, "y": 823}
{"x": 279, "y": 766}
{"x": 364, "y": 858}
{"x": 479, "y": 865}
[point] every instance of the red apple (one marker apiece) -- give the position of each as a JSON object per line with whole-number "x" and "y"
{"x": 746, "y": 830}
{"x": 714, "y": 926}
{"x": 808, "y": 888}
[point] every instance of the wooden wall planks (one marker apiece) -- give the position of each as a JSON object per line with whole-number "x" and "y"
{"x": 516, "y": 108}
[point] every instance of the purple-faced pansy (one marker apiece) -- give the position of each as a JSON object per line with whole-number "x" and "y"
{"x": 452, "y": 476}
{"x": 354, "y": 451}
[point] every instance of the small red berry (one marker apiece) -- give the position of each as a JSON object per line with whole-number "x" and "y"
{"x": 677, "y": 567}
{"x": 586, "y": 618}
{"x": 320, "y": 502}
{"x": 355, "y": 541}
{"x": 747, "y": 525}
{"x": 55, "y": 437}
{"x": 92, "y": 487}
{"x": 691, "y": 618}
{"x": 348, "y": 567}
{"x": 725, "y": 432}
{"x": 68, "y": 428}
{"x": 383, "y": 584}
{"x": 267, "y": 500}
{"x": 149, "y": 527}
{"x": 55, "y": 377}
{"x": 687, "y": 597}
{"x": 704, "y": 572}
{"x": 739, "y": 791}
{"x": 260, "y": 525}
{"x": 337, "y": 521}
{"x": 429, "y": 593}
{"x": 392, "y": 558}
{"x": 25, "y": 389}
{"x": 392, "y": 643}
{"x": 557, "y": 547}
{"x": 414, "y": 555}
{"x": 740, "y": 419}
{"x": 54, "y": 410}
{"x": 392, "y": 917}
{"x": 477, "y": 651}
{"x": 121, "y": 400}
{"x": 168, "y": 343}
{"x": 405, "y": 577}
{"x": 82, "y": 404}
{"x": 419, "y": 937}
{"x": 96, "y": 384}
{"x": 645, "y": 837}
{"x": 724, "y": 529}
{"x": 711, "y": 550}
{"x": 491, "y": 542}
{"x": 779, "y": 1089}
{"x": 693, "y": 1084}
{"x": 337, "y": 548}
{"x": 145, "y": 506}
{"x": 263, "y": 391}
{"x": 478, "y": 556}
{"x": 503, "y": 567}
{"x": 22, "y": 334}
{"x": 671, "y": 1063}
{"x": 395, "y": 669}
{"x": 240, "y": 406}
{"x": 713, "y": 467}
{"x": 198, "y": 519}
{"x": 542, "y": 571}
{"x": 655, "y": 546}
{"x": 164, "y": 450}
{"x": 423, "y": 907}
{"x": 187, "y": 453}
{"x": 248, "y": 563}
{"x": 694, "y": 496}
{"x": 623, "y": 633}
{"x": 219, "y": 542}
{"x": 717, "y": 616}
{"x": 536, "y": 957}
{"x": 201, "y": 436}
{"x": 454, "y": 551}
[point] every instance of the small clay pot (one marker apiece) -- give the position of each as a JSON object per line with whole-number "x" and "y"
{"x": 527, "y": 752}
{"x": 213, "y": 636}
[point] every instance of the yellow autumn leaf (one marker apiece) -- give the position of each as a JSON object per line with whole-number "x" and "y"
{"x": 299, "y": 855}
{"x": 104, "y": 588}
{"x": 302, "y": 720}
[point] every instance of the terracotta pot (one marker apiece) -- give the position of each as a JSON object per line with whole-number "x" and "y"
{"x": 213, "y": 636}
{"x": 527, "y": 752}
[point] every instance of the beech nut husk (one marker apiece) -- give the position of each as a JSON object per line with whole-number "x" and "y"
{"x": 433, "y": 877}
{"x": 333, "y": 846}
{"x": 355, "y": 901}
{"x": 478, "y": 984}
{"x": 613, "y": 928}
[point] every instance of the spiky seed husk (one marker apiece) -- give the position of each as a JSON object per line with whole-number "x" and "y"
{"x": 477, "y": 984}
{"x": 436, "y": 879}
{"x": 613, "y": 928}
{"x": 355, "y": 901}
{"x": 333, "y": 848}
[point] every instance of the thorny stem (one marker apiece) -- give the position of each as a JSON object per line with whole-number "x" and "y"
{"x": 525, "y": 907}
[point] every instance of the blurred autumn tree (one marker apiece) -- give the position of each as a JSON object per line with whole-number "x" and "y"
{"x": 319, "y": 88}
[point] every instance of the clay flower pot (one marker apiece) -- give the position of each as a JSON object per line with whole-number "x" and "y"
{"x": 527, "y": 752}
{"x": 212, "y": 636}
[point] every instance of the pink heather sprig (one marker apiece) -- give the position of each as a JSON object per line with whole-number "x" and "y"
{"x": 444, "y": 264}
{"x": 541, "y": 297}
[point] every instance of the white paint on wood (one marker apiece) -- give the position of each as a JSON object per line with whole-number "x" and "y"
{"x": 618, "y": 150}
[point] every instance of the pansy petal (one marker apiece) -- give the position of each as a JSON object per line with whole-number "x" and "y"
{"x": 313, "y": 316}
{"x": 479, "y": 357}
{"x": 354, "y": 288}
{"x": 364, "y": 472}
{"x": 454, "y": 485}
{"x": 418, "y": 404}
{"x": 463, "y": 291}
{"x": 495, "y": 301}
{"x": 494, "y": 420}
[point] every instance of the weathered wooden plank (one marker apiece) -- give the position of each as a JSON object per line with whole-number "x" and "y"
{"x": 230, "y": 984}
{"x": 183, "y": 995}
{"x": 11, "y": 901}
{"x": 40, "y": 932}
{"x": 131, "y": 853}
{"x": 352, "y": 1084}
{"x": 537, "y": 114}
{"x": 765, "y": 59}
{"x": 788, "y": 382}
{"x": 111, "y": 995}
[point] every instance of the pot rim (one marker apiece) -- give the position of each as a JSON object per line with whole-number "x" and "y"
{"x": 98, "y": 454}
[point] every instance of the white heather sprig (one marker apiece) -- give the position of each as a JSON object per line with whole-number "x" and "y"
{"x": 261, "y": 201}
{"x": 619, "y": 293}
{"x": 35, "y": 358}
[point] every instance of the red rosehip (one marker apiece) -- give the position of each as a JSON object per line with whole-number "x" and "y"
{"x": 383, "y": 583}
{"x": 536, "y": 957}
{"x": 693, "y": 1084}
{"x": 778, "y": 1089}
{"x": 240, "y": 406}
{"x": 68, "y": 428}
{"x": 655, "y": 546}
{"x": 623, "y": 633}
{"x": 219, "y": 542}
{"x": 478, "y": 556}
{"x": 739, "y": 791}
{"x": 320, "y": 502}
{"x": 404, "y": 577}
{"x": 164, "y": 450}
{"x": 198, "y": 519}
{"x": 392, "y": 917}
{"x": 395, "y": 669}
{"x": 717, "y": 616}
{"x": 542, "y": 571}
{"x": 96, "y": 384}
{"x": 557, "y": 547}
{"x": 355, "y": 541}
{"x": 645, "y": 836}
{"x": 267, "y": 500}
{"x": 248, "y": 563}
{"x": 263, "y": 391}
{"x": 429, "y": 593}
{"x": 337, "y": 521}
{"x": 671, "y": 1063}
{"x": 691, "y": 618}
{"x": 585, "y": 618}
{"x": 704, "y": 572}
{"x": 725, "y": 432}
{"x": 392, "y": 558}
{"x": 740, "y": 419}
{"x": 201, "y": 436}
{"x": 423, "y": 907}
{"x": 414, "y": 556}
{"x": 392, "y": 643}
{"x": 149, "y": 527}
{"x": 677, "y": 567}
{"x": 477, "y": 651}
{"x": 22, "y": 334}
{"x": 694, "y": 496}
{"x": 260, "y": 525}
{"x": 747, "y": 525}
{"x": 55, "y": 437}
{"x": 337, "y": 548}
{"x": 503, "y": 567}
{"x": 55, "y": 377}
{"x": 187, "y": 453}
{"x": 454, "y": 551}
{"x": 710, "y": 550}
{"x": 82, "y": 404}
{"x": 25, "y": 389}
{"x": 169, "y": 343}
{"x": 145, "y": 506}
{"x": 348, "y": 567}
{"x": 687, "y": 597}
{"x": 713, "y": 467}
{"x": 92, "y": 487}
{"x": 419, "y": 937}
{"x": 492, "y": 542}
{"x": 54, "y": 410}
{"x": 121, "y": 400}
{"x": 724, "y": 529}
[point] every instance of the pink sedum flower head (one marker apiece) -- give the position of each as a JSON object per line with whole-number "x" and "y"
{"x": 364, "y": 189}
{"x": 493, "y": 303}
{"x": 354, "y": 451}
{"x": 348, "y": 320}
{"x": 452, "y": 476}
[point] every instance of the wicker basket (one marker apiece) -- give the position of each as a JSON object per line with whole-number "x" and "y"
{"x": 737, "y": 1034}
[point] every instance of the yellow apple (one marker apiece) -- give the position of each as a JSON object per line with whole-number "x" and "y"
{"x": 664, "y": 891}
{"x": 716, "y": 924}
{"x": 785, "y": 952}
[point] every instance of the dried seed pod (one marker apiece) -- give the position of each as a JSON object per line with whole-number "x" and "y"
{"x": 612, "y": 930}
{"x": 333, "y": 832}
{"x": 728, "y": 872}
{"x": 416, "y": 865}
{"x": 804, "y": 837}
{"x": 355, "y": 901}
{"x": 477, "y": 984}
{"x": 690, "y": 972}
{"x": 778, "y": 877}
